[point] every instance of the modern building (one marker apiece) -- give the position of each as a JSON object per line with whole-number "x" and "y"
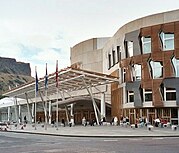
{"x": 144, "y": 54}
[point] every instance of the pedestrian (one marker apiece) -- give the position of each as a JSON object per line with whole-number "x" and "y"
{"x": 84, "y": 123}
{"x": 112, "y": 121}
{"x": 63, "y": 122}
{"x": 115, "y": 120}
{"x": 25, "y": 120}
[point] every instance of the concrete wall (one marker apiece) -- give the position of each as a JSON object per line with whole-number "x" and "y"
{"x": 87, "y": 55}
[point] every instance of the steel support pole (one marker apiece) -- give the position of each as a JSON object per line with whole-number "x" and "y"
{"x": 8, "y": 113}
{"x": 28, "y": 108}
{"x": 93, "y": 101}
{"x": 45, "y": 111}
{"x": 50, "y": 112}
{"x": 15, "y": 108}
{"x": 57, "y": 111}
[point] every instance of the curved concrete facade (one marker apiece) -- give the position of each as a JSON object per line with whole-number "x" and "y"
{"x": 144, "y": 53}
{"x": 88, "y": 54}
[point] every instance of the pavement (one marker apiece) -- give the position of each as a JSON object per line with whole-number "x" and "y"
{"x": 108, "y": 131}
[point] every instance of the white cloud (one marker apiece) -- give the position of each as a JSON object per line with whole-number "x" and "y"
{"x": 40, "y": 32}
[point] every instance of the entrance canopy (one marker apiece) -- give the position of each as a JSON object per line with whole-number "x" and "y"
{"x": 69, "y": 80}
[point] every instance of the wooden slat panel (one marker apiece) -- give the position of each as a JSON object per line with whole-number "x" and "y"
{"x": 157, "y": 95}
{"x": 176, "y": 52}
{"x": 167, "y": 65}
{"x": 116, "y": 102}
{"x": 146, "y": 31}
{"x": 114, "y": 86}
{"x": 156, "y": 46}
{"x": 168, "y": 27}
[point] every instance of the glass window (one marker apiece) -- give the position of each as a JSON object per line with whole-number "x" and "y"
{"x": 114, "y": 57}
{"x": 146, "y": 45}
{"x": 136, "y": 72}
{"x": 175, "y": 63}
{"x": 147, "y": 95}
{"x": 170, "y": 94}
{"x": 129, "y": 48}
{"x": 118, "y": 53}
{"x": 167, "y": 40}
{"x": 130, "y": 96}
{"x": 109, "y": 60}
{"x": 123, "y": 74}
{"x": 174, "y": 112}
{"x": 157, "y": 69}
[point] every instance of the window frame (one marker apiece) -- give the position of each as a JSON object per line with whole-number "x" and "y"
{"x": 169, "y": 90}
{"x": 163, "y": 39}
{"x": 153, "y": 69}
{"x": 146, "y": 43}
{"x": 109, "y": 61}
{"x": 147, "y": 91}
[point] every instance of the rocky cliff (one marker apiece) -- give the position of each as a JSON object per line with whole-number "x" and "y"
{"x": 11, "y": 66}
{"x": 13, "y": 73}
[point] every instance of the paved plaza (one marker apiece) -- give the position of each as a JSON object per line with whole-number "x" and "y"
{"x": 96, "y": 131}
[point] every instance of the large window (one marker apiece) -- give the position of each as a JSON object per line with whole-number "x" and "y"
{"x": 147, "y": 95}
{"x": 130, "y": 96}
{"x": 109, "y": 60}
{"x": 114, "y": 57}
{"x": 146, "y": 45}
{"x": 170, "y": 94}
{"x": 175, "y": 63}
{"x": 129, "y": 48}
{"x": 157, "y": 69}
{"x": 118, "y": 53}
{"x": 123, "y": 75}
{"x": 136, "y": 69}
{"x": 167, "y": 40}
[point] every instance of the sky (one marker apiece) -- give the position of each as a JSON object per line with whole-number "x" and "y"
{"x": 42, "y": 31}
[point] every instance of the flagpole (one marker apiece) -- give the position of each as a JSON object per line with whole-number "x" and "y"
{"x": 57, "y": 110}
{"x": 46, "y": 110}
{"x": 46, "y": 98}
{"x": 36, "y": 90}
{"x": 57, "y": 93}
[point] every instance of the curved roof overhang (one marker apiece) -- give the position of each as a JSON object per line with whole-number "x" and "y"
{"x": 70, "y": 80}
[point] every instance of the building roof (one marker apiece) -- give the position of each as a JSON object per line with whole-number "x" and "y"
{"x": 69, "y": 79}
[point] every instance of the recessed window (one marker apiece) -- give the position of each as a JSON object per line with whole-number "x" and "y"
{"x": 167, "y": 40}
{"x": 175, "y": 63}
{"x": 170, "y": 94}
{"x": 130, "y": 96}
{"x": 109, "y": 60}
{"x": 147, "y": 95}
{"x": 118, "y": 53}
{"x": 123, "y": 74}
{"x": 114, "y": 57}
{"x": 146, "y": 45}
{"x": 129, "y": 48}
{"x": 157, "y": 69}
{"x": 136, "y": 70}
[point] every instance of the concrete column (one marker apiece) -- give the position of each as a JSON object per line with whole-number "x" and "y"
{"x": 71, "y": 110}
{"x": 103, "y": 105}
{"x": 178, "y": 116}
{"x": 135, "y": 116}
{"x": 33, "y": 108}
{"x": 148, "y": 115}
{"x": 141, "y": 112}
{"x": 8, "y": 113}
{"x": 20, "y": 119}
{"x": 156, "y": 113}
{"x": 50, "y": 112}
{"x": 170, "y": 115}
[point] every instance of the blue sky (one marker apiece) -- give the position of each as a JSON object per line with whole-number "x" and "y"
{"x": 42, "y": 31}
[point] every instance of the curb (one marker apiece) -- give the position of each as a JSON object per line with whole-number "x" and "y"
{"x": 95, "y": 136}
